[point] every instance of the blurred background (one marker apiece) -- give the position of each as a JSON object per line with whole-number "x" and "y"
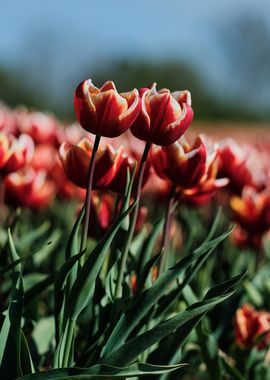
{"x": 219, "y": 50}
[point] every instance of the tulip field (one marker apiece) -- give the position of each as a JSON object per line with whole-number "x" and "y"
{"x": 133, "y": 243}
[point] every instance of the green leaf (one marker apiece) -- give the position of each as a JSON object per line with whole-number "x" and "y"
{"x": 36, "y": 234}
{"x": 130, "y": 351}
{"x": 10, "y": 335}
{"x": 43, "y": 253}
{"x": 60, "y": 280}
{"x": 10, "y": 266}
{"x": 43, "y": 334}
{"x": 83, "y": 288}
{"x": 207, "y": 341}
{"x": 120, "y": 237}
{"x": 72, "y": 248}
{"x": 253, "y": 294}
{"x": 59, "y": 294}
{"x": 208, "y": 244}
{"x": 41, "y": 282}
{"x": 103, "y": 371}
{"x": 214, "y": 225}
{"x": 27, "y": 365}
{"x": 231, "y": 371}
{"x": 146, "y": 274}
{"x": 14, "y": 255}
{"x": 111, "y": 278}
{"x": 148, "y": 298}
{"x": 224, "y": 286}
{"x": 148, "y": 246}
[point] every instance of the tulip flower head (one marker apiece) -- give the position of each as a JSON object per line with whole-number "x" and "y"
{"x": 42, "y": 127}
{"x": 76, "y": 160}
{"x": 164, "y": 116}
{"x": 249, "y": 325}
{"x": 103, "y": 111}
{"x": 15, "y": 153}
{"x": 252, "y": 212}
{"x": 28, "y": 188}
{"x": 192, "y": 168}
{"x": 183, "y": 164}
{"x": 241, "y": 165}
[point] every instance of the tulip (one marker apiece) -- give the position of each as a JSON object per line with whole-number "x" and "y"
{"x": 190, "y": 168}
{"x": 14, "y": 153}
{"x": 241, "y": 165}
{"x": 252, "y": 212}
{"x": 249, "y": 324}
{"x": 103, "y": 111}
{"x": 64, "y": 187}
{"x": 76, "y": 159}
{"x": 163, "y": 117}
{"x": 205, "y": 190}
{"x": 42, "y": 127}
{"x": 182, "y": 164}
{"x": 46, "y": 158}
{"x": 28, "y": 188}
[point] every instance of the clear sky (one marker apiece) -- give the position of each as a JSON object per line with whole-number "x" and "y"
{"x": 58, "y": 37}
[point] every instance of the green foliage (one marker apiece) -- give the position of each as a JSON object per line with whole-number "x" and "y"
{"x": 61, "y": 314}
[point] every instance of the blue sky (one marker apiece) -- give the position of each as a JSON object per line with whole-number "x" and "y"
{"x": 58, "y": 37}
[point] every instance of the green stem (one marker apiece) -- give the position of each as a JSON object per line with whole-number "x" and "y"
{"x": 118, "y": 289}
{"x": 88, "y": 196}
{"x": 166, "y": 230}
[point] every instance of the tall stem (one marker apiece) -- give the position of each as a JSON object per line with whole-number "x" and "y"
{"x": 88, "y": 195}
{"x": 166, "y": 230}
{"x": 133, "y": 219}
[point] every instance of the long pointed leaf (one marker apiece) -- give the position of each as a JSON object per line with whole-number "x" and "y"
{"x": 148, "y": 298}
{"x": 103, "y": 371}
{"x": 129, "y": 351}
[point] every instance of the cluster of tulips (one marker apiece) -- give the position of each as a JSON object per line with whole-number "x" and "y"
{"x": 33, "y": 145}
{"x": 137, "y": 148}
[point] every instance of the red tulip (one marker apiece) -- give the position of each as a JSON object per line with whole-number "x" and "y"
{"x": 163, "y": 117}
{"x": 40, "y": 126}
{"x": 15, "y": 153}
{"x": 252, "y": 210}
{"x": 241, "y": 164}
{"x": 46, "y": 158}
{"x": 76, "y": 159}
{"x": 103, "y": 111}
{"x": 206, "y": 188}
{"x": 249, "y": 324}
{"x": 203, "y": 193}
{"x": 182, "y": 164}
{"x": 28, "y": 188}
